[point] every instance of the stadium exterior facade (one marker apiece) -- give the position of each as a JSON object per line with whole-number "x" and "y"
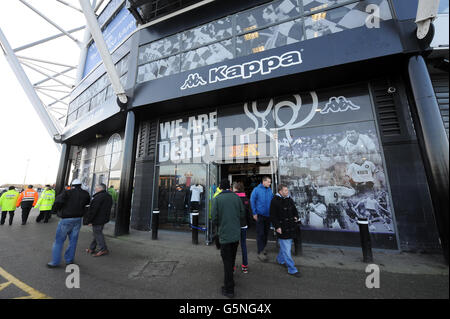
{"x": 320, "y": 95}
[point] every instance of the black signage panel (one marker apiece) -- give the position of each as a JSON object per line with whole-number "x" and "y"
{"x": 340, "y": 48}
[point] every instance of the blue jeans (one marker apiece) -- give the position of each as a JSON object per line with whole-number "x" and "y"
{"x": 67, "y": 227}
{"x": 244, "y": 246}
{"x": 284, "y": 256}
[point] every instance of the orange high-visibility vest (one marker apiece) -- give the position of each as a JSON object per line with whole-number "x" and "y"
{"x": 28, "y": 195}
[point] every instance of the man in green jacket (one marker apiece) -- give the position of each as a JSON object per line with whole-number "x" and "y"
{"x": 8, "y": 203}
{"x": 228, "y": 215}
{"x": 45, "y": 204}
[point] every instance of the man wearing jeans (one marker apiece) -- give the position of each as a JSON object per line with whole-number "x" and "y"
{"x": 70, "y": 206}
{"x": 97, "y": 216}
{"x": 284, "y": 216}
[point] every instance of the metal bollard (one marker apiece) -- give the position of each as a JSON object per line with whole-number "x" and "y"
{"x": 366, "y": 246}
{"x": 298, "y": 246}
{"x": 194, "y": 227}
{"x": 155, "y": 224}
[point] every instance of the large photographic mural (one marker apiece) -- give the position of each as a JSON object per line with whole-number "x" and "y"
{"x": 325, "y": 141}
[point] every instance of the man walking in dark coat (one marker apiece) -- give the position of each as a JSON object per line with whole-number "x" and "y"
{"x": 70, "y": 206}
{"x": 97, "y": 216}
{"x": 284, "y": 216}
{"x": 228, "y": 215}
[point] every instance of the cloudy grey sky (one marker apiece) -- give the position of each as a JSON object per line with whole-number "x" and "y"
{"x": 23, "y": 135}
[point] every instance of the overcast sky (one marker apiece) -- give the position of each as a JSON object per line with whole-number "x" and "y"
{"x": 23, "y": 135}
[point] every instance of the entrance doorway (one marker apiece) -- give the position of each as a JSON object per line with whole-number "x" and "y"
{"x": 177, "y": 183}
{"x": 250, "y": 175}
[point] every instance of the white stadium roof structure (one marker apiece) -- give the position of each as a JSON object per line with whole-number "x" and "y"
{"x": 46, "y": 64}
{"x": 56, "y": 39}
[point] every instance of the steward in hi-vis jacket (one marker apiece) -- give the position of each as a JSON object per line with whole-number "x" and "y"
{"x": 8, "y": 204}
{"x": 27, "y": 200}
{"x": 45, "y": 204}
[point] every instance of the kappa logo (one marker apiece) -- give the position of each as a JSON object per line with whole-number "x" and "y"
{"x": 246, "y": 70}
{"x": 193, "y": 81}
{"x": 339, "y": 104}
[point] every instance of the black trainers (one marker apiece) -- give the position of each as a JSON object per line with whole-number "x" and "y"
{"x": 49, "y": 265}
{"x": 297, "y": 274}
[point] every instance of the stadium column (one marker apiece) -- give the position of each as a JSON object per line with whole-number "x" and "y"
{"x": 62, "y": 168}
{"x": 122, "y": 226}
{"x": 433, "y": 141}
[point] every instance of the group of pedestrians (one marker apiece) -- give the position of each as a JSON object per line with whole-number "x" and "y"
{"x": 230, "y": 208}
{"x": 27, "y": 199}
{"x": 75, "y": 207}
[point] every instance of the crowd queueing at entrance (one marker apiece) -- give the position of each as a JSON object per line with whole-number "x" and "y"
{"x": 230, "y": 209}
{"x": 74, "y": 206}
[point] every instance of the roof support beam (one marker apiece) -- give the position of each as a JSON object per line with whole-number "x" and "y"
{"x": 53, "y": 103}
{"x": 51, "y": 125}
{"x": 55, "y": 75}
{"x": 51, "y": 22}
{"x": 94, "y": 28}
{"x": 48, "y": 75}
{"x": 47, "y": 69}
{"x": 53, "y": 37}
{"x": 44, "y": 61}
{"x": 69, "y": 5}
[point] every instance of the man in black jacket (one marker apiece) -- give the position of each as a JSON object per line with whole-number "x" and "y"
{"x": 284, "y": 215}
{"x": 70, "y": 206}
{"x": 98, "y": 216}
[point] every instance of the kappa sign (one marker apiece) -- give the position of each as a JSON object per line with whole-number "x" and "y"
{"x": 246, "y": 70}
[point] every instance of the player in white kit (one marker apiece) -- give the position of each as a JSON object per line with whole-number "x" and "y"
{"x": 361, "y": 173}
{"x": 333, "y": 197}
{"x": 317, "y": 213}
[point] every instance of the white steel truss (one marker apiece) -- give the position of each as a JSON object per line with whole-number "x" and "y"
{"x": 46, "y": 82}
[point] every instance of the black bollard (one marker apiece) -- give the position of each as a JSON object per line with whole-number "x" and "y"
{"x": 366, "y": 246}
{"x": 195, "y": 227}
{"x": 155, "y": 224}
{"x": 298, "y": 246}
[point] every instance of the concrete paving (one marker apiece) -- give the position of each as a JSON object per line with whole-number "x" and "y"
{"x": 173, "y": 268}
